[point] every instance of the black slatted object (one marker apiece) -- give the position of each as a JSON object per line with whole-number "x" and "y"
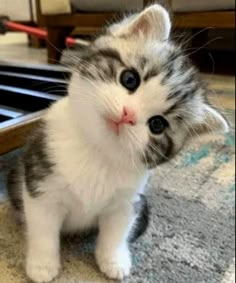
{"x": 25, "y": 91}
{"x": 25, "y": 99}
{"x": 4, "y": 118}
{"x": 32, "y": 82}
{"x": 42, "y": 71}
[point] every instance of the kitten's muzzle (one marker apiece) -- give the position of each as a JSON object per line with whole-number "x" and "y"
{"x": 128, "y": 117}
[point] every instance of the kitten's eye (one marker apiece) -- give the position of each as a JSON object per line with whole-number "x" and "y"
{"x": 130, "y": 79}
{"x": 157, "y": 125}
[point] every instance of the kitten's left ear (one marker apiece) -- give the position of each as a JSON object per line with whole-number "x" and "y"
{"x": 153, "y": 23}
{"x": 211, "y": 121}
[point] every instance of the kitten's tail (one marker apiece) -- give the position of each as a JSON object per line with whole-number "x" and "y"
{"x": 142, "y": 219}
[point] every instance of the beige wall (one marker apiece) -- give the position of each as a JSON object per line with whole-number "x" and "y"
{"x": 17, "y": 10}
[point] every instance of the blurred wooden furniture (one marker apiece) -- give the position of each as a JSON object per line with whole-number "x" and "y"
{"x": 216, "y": 19}
{"x": 60, "y": 26}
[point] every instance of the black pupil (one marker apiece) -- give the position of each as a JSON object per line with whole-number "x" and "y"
{"x": 130, "y": 79}
{"x": 157, "y": 124}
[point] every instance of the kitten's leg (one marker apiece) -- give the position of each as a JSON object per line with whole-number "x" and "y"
{"x": 44, "y": 222}
{"x": 112, "y": 252}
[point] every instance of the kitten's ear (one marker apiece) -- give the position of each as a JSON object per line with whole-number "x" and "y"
{"x": 211, "y": 121}
{"x": 153, "y": 23}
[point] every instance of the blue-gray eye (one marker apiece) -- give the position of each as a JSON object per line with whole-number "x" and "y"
{"x": 157, "y": 124}
{"x": 130, "y": 79}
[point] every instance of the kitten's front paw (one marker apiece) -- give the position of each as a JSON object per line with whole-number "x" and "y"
{"x": 42, "y": 271}
{"x": 115, "y": 266}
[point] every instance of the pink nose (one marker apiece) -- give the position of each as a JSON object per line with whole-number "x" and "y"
{"x": 128, "y": 117}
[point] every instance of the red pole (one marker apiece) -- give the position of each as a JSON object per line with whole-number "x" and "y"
{"x": 40, "y": 33}
{"x": 70, "y": 41}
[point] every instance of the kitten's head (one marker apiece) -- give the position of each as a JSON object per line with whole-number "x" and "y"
{"x": 136, "y": 95}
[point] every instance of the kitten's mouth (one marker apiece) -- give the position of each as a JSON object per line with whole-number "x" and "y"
{"x": 114, "y": 126}
{"x": 117, "y": 126}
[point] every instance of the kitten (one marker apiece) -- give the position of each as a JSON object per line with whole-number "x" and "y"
{"x": 134, "y": 100}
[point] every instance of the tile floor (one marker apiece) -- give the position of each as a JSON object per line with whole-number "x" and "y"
{"x": 14, "y": 47}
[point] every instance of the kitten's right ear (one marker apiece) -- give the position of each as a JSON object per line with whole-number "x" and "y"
{"x": 153, "y": 23}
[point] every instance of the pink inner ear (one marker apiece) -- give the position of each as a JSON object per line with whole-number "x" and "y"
{"x": 142, "y": 27}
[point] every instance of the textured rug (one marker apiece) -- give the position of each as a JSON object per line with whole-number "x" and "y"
{"x": 191, "y": 236}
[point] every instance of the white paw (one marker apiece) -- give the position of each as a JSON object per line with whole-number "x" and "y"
{"x": 42, "y": 271}
{"x": 115, "y": 266}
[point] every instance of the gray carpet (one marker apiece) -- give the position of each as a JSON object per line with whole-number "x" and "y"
{"x": 191, "y": 238}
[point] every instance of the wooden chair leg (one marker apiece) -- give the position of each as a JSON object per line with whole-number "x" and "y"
{"x": 56, "y": 43}
{"x": 35, "y": 42}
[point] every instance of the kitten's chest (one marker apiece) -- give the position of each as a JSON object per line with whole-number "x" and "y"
{"x": 92, "y": 194}
{"x": 92, "y": 181}
{"x": 98, "y": 187}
